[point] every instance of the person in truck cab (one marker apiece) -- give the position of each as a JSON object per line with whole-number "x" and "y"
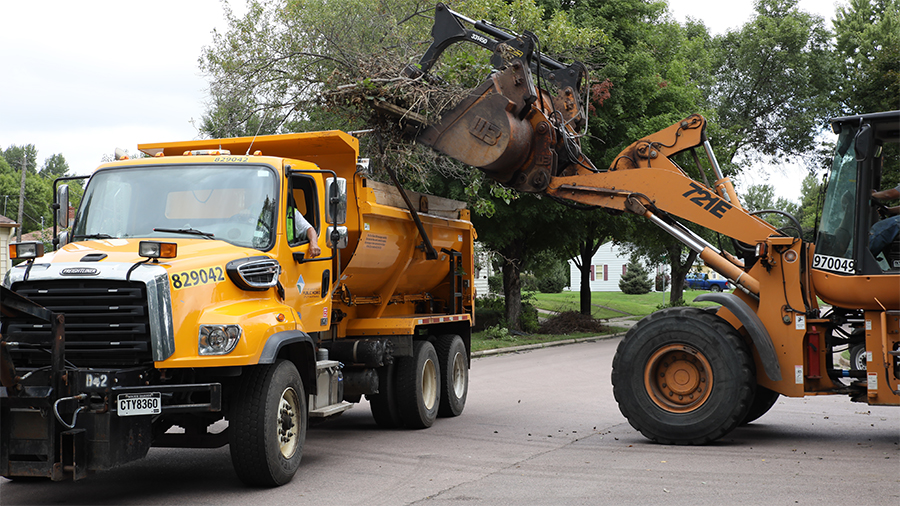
{"x": 302, "y": 227}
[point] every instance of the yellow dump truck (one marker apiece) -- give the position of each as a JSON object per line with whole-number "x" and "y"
{"x": 264, "y": 281}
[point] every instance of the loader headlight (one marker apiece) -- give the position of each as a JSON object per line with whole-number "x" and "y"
{"x": 218, "y": 339}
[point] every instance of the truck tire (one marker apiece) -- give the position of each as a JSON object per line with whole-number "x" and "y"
{"x": 418, "y": 386}
{"x": 683, "y": 376}
{"x": 858, "y": 357}
{"x": 715, "y": 288}
{"x": 451, "y": 353}
{"x": 267, "y": 427}
{"x": 384, "y": 403}
{"x": 763, "y": 401}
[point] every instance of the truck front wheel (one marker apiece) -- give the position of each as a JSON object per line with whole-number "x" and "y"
{"x": 418, "y": 386}
{"x": 683, "y": 376}
{"x": 454, "y": 362}
{"x": 267, "y": 427}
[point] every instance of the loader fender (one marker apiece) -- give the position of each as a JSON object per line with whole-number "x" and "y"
{"x": 758, "y": 333}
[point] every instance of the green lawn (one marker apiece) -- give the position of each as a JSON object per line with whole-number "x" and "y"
{"x": 621, "y": 304}
{"x": 616, "y": 304}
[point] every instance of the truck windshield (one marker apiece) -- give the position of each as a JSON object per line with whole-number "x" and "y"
{"x": 232, "y": 203}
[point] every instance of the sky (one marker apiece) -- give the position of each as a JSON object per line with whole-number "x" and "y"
{"x": 83, "y": 78}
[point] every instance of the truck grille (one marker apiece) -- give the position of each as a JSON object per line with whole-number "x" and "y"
{"x": 107, "y": 322}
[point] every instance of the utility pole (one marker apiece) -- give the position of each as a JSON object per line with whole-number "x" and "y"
{"x": 22, "y": 195}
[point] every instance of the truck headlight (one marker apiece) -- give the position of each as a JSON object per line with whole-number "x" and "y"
{"x": 218, "y": 339}
{"x": 26, "y": 250}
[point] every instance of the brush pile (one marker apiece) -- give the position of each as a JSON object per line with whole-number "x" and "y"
{"x": 396, "y": 108}
{"x": 572, "y": 321}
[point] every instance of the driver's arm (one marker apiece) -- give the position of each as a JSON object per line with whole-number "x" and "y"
{"x": 890, "y": 193}
{"x": 300, "y": 223}
{"x": 314, "y": 249}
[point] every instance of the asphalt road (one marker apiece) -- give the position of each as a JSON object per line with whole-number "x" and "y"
{"x": 540, "y": 427}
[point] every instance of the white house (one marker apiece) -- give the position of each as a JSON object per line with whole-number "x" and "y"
{"x": 7, "y": 230}
{"x": 607, "y": 267}
{"x": 483, "y": 271}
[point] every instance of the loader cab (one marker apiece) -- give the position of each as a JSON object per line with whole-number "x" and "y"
{"x": 866, "y": 152}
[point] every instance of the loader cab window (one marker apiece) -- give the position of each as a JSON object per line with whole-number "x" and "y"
{"x": 303, "y": 199}
{"x": 836, "y": 230}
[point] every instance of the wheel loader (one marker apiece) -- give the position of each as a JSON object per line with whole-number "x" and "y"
{"x": 687, "y": 375}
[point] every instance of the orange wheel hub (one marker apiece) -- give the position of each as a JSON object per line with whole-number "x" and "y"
{"x": 678, "y": 378}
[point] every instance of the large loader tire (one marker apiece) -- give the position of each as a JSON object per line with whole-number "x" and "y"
{"x": 419, "y": 386}
{"x": 763, "y": 401}
{"x": 267, "y": 427}
{"x": 384, "y": 403}
{"x": 454, "y": 362}
{"x": 683, "y": 376}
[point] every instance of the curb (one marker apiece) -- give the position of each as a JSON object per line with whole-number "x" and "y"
{"x": 528, "y": 347}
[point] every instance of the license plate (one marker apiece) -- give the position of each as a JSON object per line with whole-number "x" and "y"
{"x": 139, "y": 404}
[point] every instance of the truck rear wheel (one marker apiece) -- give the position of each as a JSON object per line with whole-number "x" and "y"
{"x": 683, "y": 376}
{"x": 858, "y": 357}
{"x": 418, "y": 386}
{"x": 451, "y": 353}
{"x": 268, "y": 424}
{"x": 384, "y": 403}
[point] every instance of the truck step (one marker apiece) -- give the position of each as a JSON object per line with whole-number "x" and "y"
{"x": 331, "y": 410}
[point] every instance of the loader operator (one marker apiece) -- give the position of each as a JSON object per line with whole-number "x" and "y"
{"x": 885, "y": 231}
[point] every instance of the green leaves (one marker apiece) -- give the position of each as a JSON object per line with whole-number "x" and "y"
{"x": 868, "y": 40}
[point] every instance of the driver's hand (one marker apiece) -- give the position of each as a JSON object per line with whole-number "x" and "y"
{"x": 314, "y": 250}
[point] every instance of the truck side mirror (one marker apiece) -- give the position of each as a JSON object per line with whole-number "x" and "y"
{"x": 62, "y": 239}
{"x": 336, "y": 237}
{"x": 336, "y": 204}
{"x": 62, "y": 199}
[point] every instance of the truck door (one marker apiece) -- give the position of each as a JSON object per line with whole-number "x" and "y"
{"x": 306, "y": 280}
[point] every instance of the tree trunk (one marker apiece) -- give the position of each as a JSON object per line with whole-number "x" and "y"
{"x": 587, "y": 255}
{"x": 679, "y": 269}
{"x": 512, "y": 283}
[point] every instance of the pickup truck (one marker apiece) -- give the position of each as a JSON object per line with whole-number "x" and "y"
{"x": 701, "y": 281}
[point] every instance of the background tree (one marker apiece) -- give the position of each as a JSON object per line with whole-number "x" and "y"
{"x": 868, "y": 42}
{"x": 37, "y": 213}
{"x": 589, "y": 230}
{"x": 775, "y": 84}
{"x": 54, "y": 167}
{"x": 635, "y": 281}
{"x": 762, "y": 197}
{"x": 15, "y": 156}
{"x": 660, "y": 72}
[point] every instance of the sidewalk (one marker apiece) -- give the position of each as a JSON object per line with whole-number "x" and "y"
{"x": 623, "y": 321}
